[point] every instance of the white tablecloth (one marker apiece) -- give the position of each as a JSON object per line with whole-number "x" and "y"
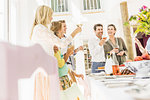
{"x": 100, "y": 92}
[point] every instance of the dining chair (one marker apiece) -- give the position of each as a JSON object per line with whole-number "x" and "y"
{"x": 17, "y": 62}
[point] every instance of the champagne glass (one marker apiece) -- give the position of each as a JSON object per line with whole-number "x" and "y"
{"x": 117, "y": 48}
{"x": 79, "y": 25}
{"x": 104, "y": 37}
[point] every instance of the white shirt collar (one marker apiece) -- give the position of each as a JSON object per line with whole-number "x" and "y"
{"x": 96, "y": 37}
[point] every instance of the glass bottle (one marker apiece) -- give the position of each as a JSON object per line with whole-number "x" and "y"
{"x": 115, "y": 64}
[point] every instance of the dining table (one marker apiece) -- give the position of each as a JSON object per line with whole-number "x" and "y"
{"x": 118, "y": 87}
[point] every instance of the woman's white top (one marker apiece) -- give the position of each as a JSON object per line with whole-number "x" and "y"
{"x": 47, "y": 39}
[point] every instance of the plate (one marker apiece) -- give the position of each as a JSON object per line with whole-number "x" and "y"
{"x": 125, "y": 76}
{"x": 109, "y": 77}
{"x": 98, "y": 74}
{"x": 116, "y": 85}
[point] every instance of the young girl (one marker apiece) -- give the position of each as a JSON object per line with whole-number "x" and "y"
{"x": 65, "y": 84}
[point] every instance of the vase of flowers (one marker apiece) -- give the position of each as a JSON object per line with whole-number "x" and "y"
{"x": 141, "y": 20}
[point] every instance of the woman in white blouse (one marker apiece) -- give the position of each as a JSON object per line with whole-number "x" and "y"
{"x": 42, "y": 34}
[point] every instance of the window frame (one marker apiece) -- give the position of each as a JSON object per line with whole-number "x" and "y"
{"x": 65, "y": 13}
{"x": 89, "y": 11}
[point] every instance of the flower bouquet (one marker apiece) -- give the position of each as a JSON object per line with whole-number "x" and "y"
{"x": 142, "y": 20}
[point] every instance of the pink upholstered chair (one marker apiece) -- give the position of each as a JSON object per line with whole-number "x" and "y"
{"x": 18, "y": 62}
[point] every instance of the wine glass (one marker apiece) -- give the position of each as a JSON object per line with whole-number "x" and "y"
{"x": 104, "y": 37}
{"x": 79, "y": 25}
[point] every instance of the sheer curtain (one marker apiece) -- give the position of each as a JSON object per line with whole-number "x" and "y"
{"x": 21, "y": 16}
{"x": 4, "y": 20}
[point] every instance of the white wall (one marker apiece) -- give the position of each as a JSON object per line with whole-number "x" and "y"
{"x": 111, "y": 14}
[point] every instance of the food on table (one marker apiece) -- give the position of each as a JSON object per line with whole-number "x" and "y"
{"x": 122, "y": 65}
{"x": 143, "y": 57}
{"x": 115, "y": 69}
{"x": 138, "y": 58}
{"x": 119, "y": 73}
{"x": 127, "y": 72}
{"x": 146, "y": 56}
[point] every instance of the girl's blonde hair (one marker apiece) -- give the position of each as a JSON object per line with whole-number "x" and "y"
{"x": 56, "y": 26}
{"x": 42, "y": 16}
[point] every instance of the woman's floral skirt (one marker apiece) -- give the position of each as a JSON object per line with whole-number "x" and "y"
{"x": 65, "y": 82}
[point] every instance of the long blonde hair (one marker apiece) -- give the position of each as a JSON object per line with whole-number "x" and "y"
{"x": 42, "y": 16}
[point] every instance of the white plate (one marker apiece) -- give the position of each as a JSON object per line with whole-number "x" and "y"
{"x": 116, "y": 85}
{"x": 125, "y": 76}
{"x": 109, "y": 77}
{"x": 98, "y": 74}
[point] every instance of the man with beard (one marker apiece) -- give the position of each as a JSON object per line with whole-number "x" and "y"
{"x": 96, "y": 49}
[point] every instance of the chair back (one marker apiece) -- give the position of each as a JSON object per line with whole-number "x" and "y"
{"x": 18, "y": 62}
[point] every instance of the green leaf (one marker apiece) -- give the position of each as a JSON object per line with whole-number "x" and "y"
{"x": 143, "y": 24}
{"x": 148, "y": 20}
{"x": 147, "y": 33}
{"x": 142, "y": 17}
{"x": 131, "y": 18}
{"x": 139, "y": 29}
{"x": 148, "y": 15}
{"x": 144, "y": 12}
{"x": 126, "y": 23}
{"x": 136, "y": 32}
{"x": 134, "y": 17}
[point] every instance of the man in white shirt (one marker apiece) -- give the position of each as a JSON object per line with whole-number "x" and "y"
{"x": 71, "y": 60}
{"x": 96, "y": 48}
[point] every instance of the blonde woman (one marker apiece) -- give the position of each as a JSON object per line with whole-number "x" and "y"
{"x": 43, "y": 35}
{"x": 69, "y": 91}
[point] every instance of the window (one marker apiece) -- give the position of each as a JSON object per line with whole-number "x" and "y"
{"x": 59, "y": 5}
{"x": 91, "y": 5}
